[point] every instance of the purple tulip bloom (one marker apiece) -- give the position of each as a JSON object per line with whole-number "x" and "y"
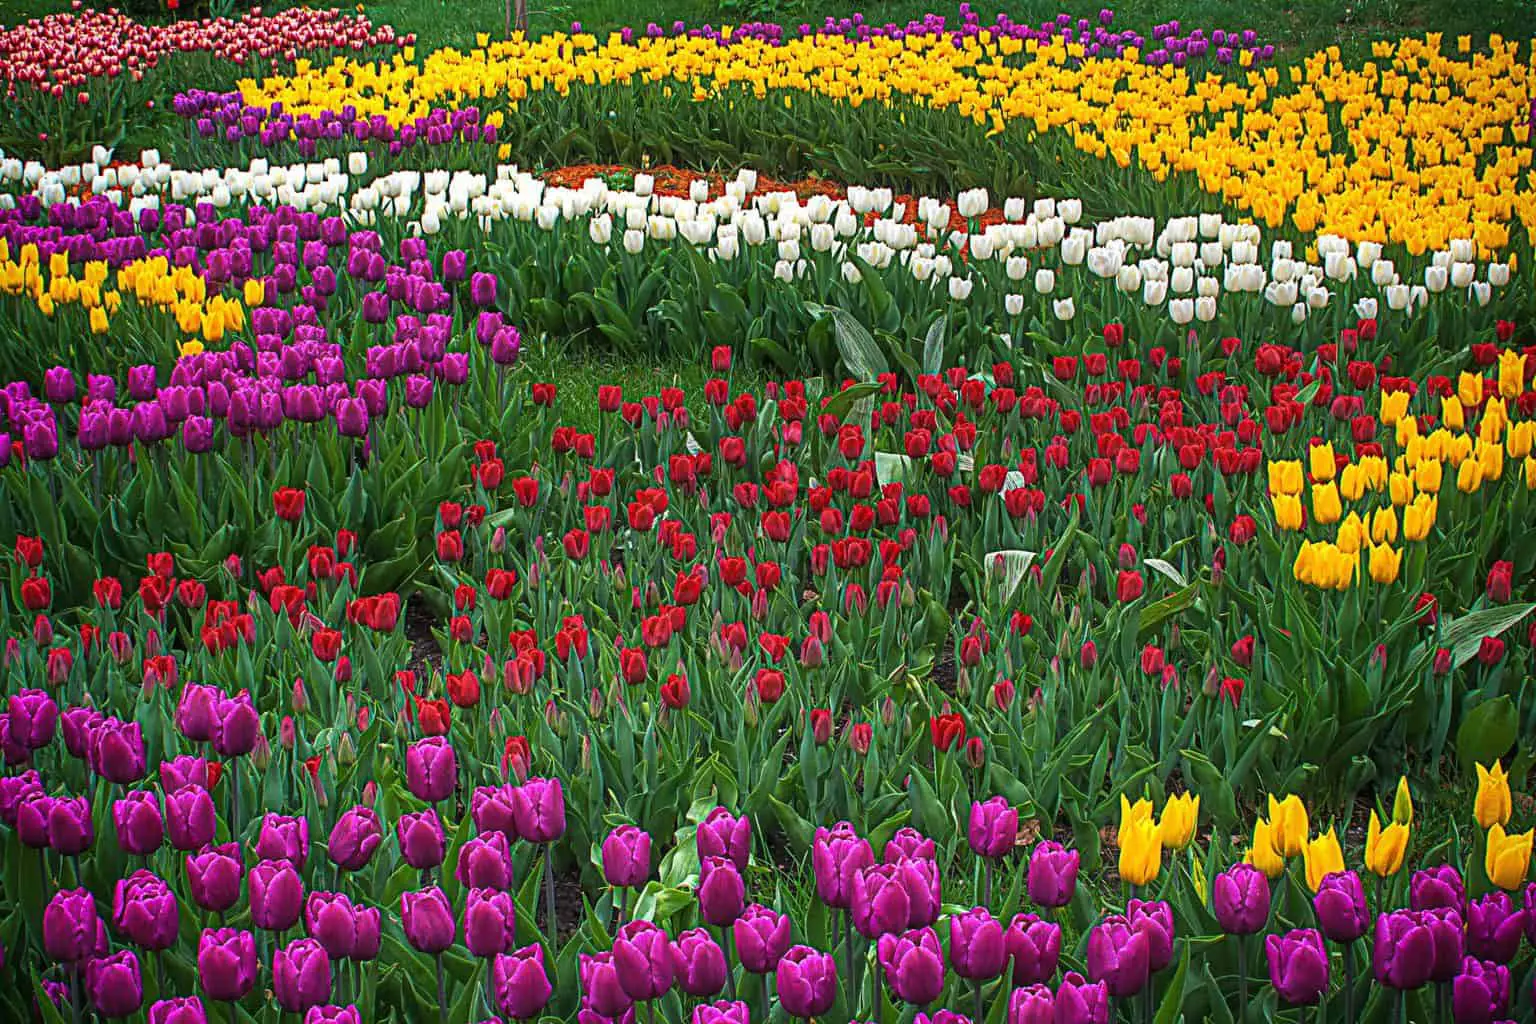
{"x": 145, "y": 911}
{"x": 539, "y": 808}
{"x": 600, "y": 987}
{"x": 1035, "y": 946}
{"x": 186, "y": 1010}
{"x": 521, "y": 983}
{"x": 427, "y": 919}
{"x": 276, "y": 895}
{"x": 1480, "y": 993}
{"x": 698, "y": 963}
{"x": 1340, "y": 905}
{"x": 114, "y": 984}
{"x": 140, "y": 827}
{"x": 993, "y": 828}
{"x": 762, "y": 938}
{"x": 214, "y": 874}
{"x": 909, "y": 844}
{"x": 913, "y": 965}
{"x": 642, "y": 956}
{"x": 354, "y": 838}
{"x": 190, "y": 818}
{"x": 71, "y": 829}
{"x": 1404, "y": 953}
{"x": 1155, "y": 920}
{"x": 1437, "y": 887}
{"x": 977, "y": 947}
{"x": 1240, "y": 897}
{"x": 1494, "y": 928}
{"x": 837, "y": 856}
{"x": 283, "y": 838}
{"x": 485, "y": 862}
{"x": 301, "y": 975}
{"x": 806, "y": 982}
{"x": 627, "y": 857}
{"x": 722, "y": 893}
{"x": 226, "y": 963}
{"x": 721, "y": 835}
{"x": 490, "y": 922}
{"x": 431, "y": 769}
{"x": 423, "y": 843}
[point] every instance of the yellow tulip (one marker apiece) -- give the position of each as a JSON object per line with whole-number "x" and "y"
{"x": 1530, "y": 473}
{"x": 1394, "y": 406}
{"x": 1288, "y": 825}
{"x": 1352, "y": 534}
{"x": 1419, "y": 516}
{"x": 1321, "y": 463}
{"x": 1469, "y": 478}
{"x": 1262, "y": 853}
{"x": 1351, "y": 483}
{"x": 1179, "y": 819}
{"x": 255, "y": 292}
{"x": 1511, "y": 373}
{"x": 98, "y": 320}
{"x": 1141, "y": 852}
{"x": 1494, "y": 804}
{"x": 1385, "y": 563}
{"x": 1383, "y": 526}
{"x": 1326, "y": 506}
{"x": 1402, "y": 803}
{"x": 1427, "y": 475}
{"x": 1322, "y": 856}
{"x": 1469, "y": 389}
{"x": 1451, "y": 412}
{"x": 1288, "y": 511}
{"x": 1400, "y": 488}
{"x": 1517, "y": 442}
{"x": 1130, "y": 812}
{"x": 1285, "y": 477}
{"x": 1508, "y": 860}
{"x": 1407, "y": 430}
{"x": 1384, "y": 849}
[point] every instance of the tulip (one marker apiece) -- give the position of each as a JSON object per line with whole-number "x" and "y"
{"x": 922, "y": 882}
{"x": 1340, "y": 906}
{"x": 1052, "y": 874}
{"x": 70, "y": 926}
{"x": 1437, "y": 887}
{"x": 1077, "y": 1000}
{"x": 837, "y": 855}
{"x": 1155, "y": 920}
{"x": 114, "y": 984}
{"x": 722, "y": 894}
{"x": 1288, "y": 824}
{"x": 913, "y": 965}
{"x": 976, "y": 945}
{"x": 422, "y": 841}
{"x": 642, "y": 956}
{"x": 806, "y": 982}
{"x": 1404, "y": 953}
{"x": 226, "y": 963}
{"x": 190, "y": 818}
{"x": 1494, "y": 803}
{"x": 213, "y": 875}
{"x": 331, "y": 918}
{"x": 431, "y": 769}
{"x": 521, "y": 983}
{"x": 994, "y": 828}
{"x": 1034, "y": 946}
{"x": 301, "y": 975}
{"x": 1323, "y": 856}
{"x": 1384, "y": 850}
{"x": 1480, "y": 993}
{"x": 1240, "y": 898}
{"x": 762, "y": 937}
{"x": 721, "y": 835}
{"x": 722, "y": 1012}
{"x": 627, "y": 857}
{"x": 356, "y": 835}
{"x": 1298, "y": 966}
{"x": 1494, "y": 928}
{"x": 71, "y": 830}
{"x": 600, "y": 986}
{"x": 427, "y": 919}
{"x": 1448, "y": 937}
{"x": 1032, "y": 1005}
{"x": 145, "y": 911}
{"x": 1180, "y": 815}
{"x": 1508, "y": 857}
{"x": 276, "y": 895}
{"x": 1141, "y": 852}
{"x": 235, "y": 725}
{"x": 140, "y": 828}
{"x": 880, "y": 902}
{"x": 33, "y": 718}
{"x": 698, "y": 963}
{"x": 1118, "y": 956}
{"x": 186, "y": 1010}
{"x": 333, "y": 1015}
{"x": 490, "y": 923}
{"x": 283, "y": 838}
{"x": 909, "y": 844}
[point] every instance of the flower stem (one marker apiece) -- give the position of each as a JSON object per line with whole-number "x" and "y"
{"x": 442, "y": 993}
{"x": 549, "y": 894}
{"x": 1349, "y": 981}
{"x": 1242, "y": 975}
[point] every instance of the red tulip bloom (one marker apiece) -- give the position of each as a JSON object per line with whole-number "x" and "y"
{"x": 946, "y": 731}
{"x": 1129, "y": 586}
{"x": 288, "y": 503}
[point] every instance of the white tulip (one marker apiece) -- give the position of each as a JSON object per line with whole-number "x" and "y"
{"x": 789, "y": 249}
{"x": 1317, "y": 298}
{"x": 1071, "y": 210}
{"x": 1418, "y": 295}
{"x": 1129, "y": 278}
{"x": 547, "y": 217}
{"x": 1205, "y": 308}
{"x": 748, "y": 179}
{"x": 1436, "y": 278}
{"x": 1366, "y": 308}
{"x": 1063, "y": 308}
{"x": 1299, "y": 313}
{"x": 698, "y": 190}
{"x": 1246, "y": 252}
{"x": 644, "y": 184}
{"x": 149, "y": 158}
{"x": 1181, "y": 311}
{"x": 1014, "y": 304}
{"x": 1482, "y": 291}
{"x": 1182, "y": 280}
{"x": 634, "y": 241}
{"x": 1397, "y": 297}
{"x": 1463, "y": 274}
{"x": 1383, "y": 273}
{"x": 959, "y": 288}
{"x": 1183, "y": 254}
{"x": 1045, "y": 280}
{"x": 600, "y": 229}
{"x": 1105, "y": 261}
{"x": 431, "y": 224}
{"x": 921, "y": 267}
{"x": 1154, "y": 293}
{"x": 943, "y": 266}
{"x": 1016, "y": 268}
{"x": 822, "y": 237}
{"x": 1462, "y": 250}
{"x": 846, "y": 223}
{"x": 1045, "y": 208}
{"x": 1074, "y": 250}
{"x": 981, "y": 247}
{"x": 1207, "y": 287}
{"x": 1212, "y": 254}
{"x": 783, "y": 270}
{"x": 1498, "y": 274}
{"x": 1367, "y": 253}
{"x": 851, "y": 273}
{"x": 972, "y": 202}
{"x": 357, "y": 162}
{"x": 1210, "y": 225}
{"x": 728, "y": 246}
{"x": 1013, "y": 208}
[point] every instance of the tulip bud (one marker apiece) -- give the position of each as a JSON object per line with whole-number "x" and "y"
{"x": 346, "y": 751}
{"x": 300, "y": 697}
{"x": 888, "y": 713}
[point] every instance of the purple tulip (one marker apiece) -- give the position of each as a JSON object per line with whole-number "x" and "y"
{"x": 600, "y": 986}
{"x": 921, "y": 879}
{"x": 195, "y": 712}
{"x": 698, "y": 963}
{"x": 720, "y": 835}
{"x": 283, "y": 838}
{"x": 1155, "y": 920}
{"x": 115, "y": 985}
{"x": 333, "y": 1015}
{"x": 538, "y": 806}
{"x": 71, "y": 829}
{"x": 1240, "y": 898}
{"x": 140, "y": 828}
{"x": 722, "y": 1012}
{"x": 59, "y": 384}
{"x": 722, "y": 894}
{"x": 190, "y": 818}
{"x": 1404, "y": 953}
{"x": 482, "y": 289}
{"x": 880, "y": 901}
{"x": 1494, "y": 928}
{"x": 13, "y": 790}
{"x": 366, "y": 938}
{"x": 235, "y": 725}
{"x": 301, "y": 975}
{"x": 79, "y": 726}
{"x": 1118, "y": 955}
{"x": 1449, "y": 938}
{"x": 117, "y": 751}
{"x": 1340, "y": 906}
{"x": 1528, "y": 902}
{"x": 1033, "y": 1004}
{"x": 186, "y": 1010}
{"x": 144, "y": 910}
{"x": 762, "y": 938}
{"x": 1298, "y": 966}
{"x": 183, "y": 772}
{"x": 490, "y": 922}
{"x": 331, "y": 918}
{"x": 1079, "y": 1002}
{"x": 33, "y": 810}
{"x": 837, "y": 855}
{"x": 913, "y": 965}
{"x": 422, "y": 841}
{"x": 428, "y": 920}
{"x": 1480, "y": 993}
{"x": 994, "y": 828}
{"x": 642, "y": 956}
{"x": 806, "y": 982}
{"x": 909, "y": 844}
{"x": 354, "y": 838}
{"x": 213, "y": 875}
{"x": 197, "y": 434}
{"x": 1437, "y": 887}
{"x": 976, "y": 945}
{"x": 276, "y": 894}
{"x": 431, "y": 769}
{"x": 521, "y": 982}
{"x": 485, "y": 862}
{"x": 627, "y": 857}
{"x": 1035, "y": 946}
{"x": 226, "y": 963}
{"x": 492, "y": 809}
{"x": 33, "y": 717}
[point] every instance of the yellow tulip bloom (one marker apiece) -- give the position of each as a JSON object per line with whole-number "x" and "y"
{"x": 1288, "y": 825}
{"x": 1323, "y": 856}
{"x": 1326, "y": 506}
{"x": 1384, "y": 849}
{"x": 1530, "y": 473}
{"x": 1321, "y": 463}
{"x": 1469, "y": 389}
{"x": 1511, "y": 373}
{"x": 1394, "y": 406}
{"x": 1285, "y": 477}
{"x": 1385, "y": 563}
{"x": 1419, "y": 516}
{"x": 1288, "y": 511}
{"x": 1177, "y": 825}
{"x": 1517, "y": 442}
{"x": 1400, "y": 488}
{"x": 1262, "y": 853}
{"x": 1469, "y": 478}
{"x": 1494, "y": 804}
{"x": 1383, "y": 526}
{"x": 1427, "y": 475}
{"x": 1508, "y": 859}
{"x": 1141, "y": 851}
{"x": 1451, "y": 412}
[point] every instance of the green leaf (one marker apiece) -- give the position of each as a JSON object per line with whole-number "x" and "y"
{"x": 1173, "y": 998}
{"x": 1168, "y": 570}
{"x": 1463, "y": 635}
{"x": 933, "y": 346}
{"x": 839, "y": 404}
{"x": 856, "y": 345}
{"x": 1487, "y": 732}
{"x": 1007, "y": 569}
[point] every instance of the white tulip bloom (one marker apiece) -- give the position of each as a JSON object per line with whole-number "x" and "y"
{"x": 1366, "y": 308}
{"x": 1205, "y": 308}
{"x": 1498, "y": 274}
{"x": 1397, "y": 297}
{"x": 1482, "y": 291}
{"x": 1063, "y": 308}
{"x": 959, "y": 288}
{"x": 972, "y": 202}
{"x": 634, "y": 241}
{"x": 1181, "y": 311}
{"x": 1045, "y": 280}
{"x": 1383, "y": 273}
{"x": 1013, "y": 208}
{"x": 1128, "y": 280}
{"x": 1436, "y": 278}
{"x": 1071, "y": 210}
{"x": 645, "y": 184}
{"x": 1016, "y": 268}
{"x": 1013, "y": 304}
{"x": 1463, "y": 274}
{"x": 1154, "y": 293}
{"x": 1299, "y": 313}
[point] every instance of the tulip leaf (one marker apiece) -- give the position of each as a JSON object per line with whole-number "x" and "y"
{"x": 933, "y": 346}
{"x": 1172, "y": 1007}
{"x": 1463, "y": 635}
{"x": 839, "y": 404}
{"x": 861, "y": 355}
{"x": 800, "y": 831}
{"x": 1007, "y": 568}
{"x": 1487, "y": 732}
{"x": 1167, "y": 569}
